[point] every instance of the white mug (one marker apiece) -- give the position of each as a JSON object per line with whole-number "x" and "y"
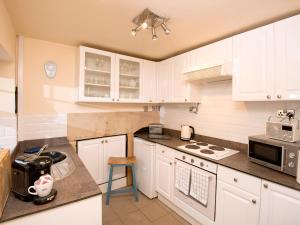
{"x": 42, "y": 187}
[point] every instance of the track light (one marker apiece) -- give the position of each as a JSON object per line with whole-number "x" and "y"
{"x": 165, "y": 28}
{"x": 150, "y": 21}
{"x": 154, "y": 36}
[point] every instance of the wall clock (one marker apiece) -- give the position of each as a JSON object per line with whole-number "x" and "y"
{"x": 50, "y": 69}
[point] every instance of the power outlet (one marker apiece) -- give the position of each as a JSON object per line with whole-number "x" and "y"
{"x": 281, "y": 113}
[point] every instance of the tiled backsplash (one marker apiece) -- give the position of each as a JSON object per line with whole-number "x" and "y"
{"x": 223, "y": 118}
{"x": 42, "y": 126}
{"x": 8, "y": 134}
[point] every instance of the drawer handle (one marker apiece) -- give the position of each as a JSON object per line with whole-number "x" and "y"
{"x": 106, "y": 141}
{"x": 192, "y": 160}
{"x": 279, "y": 96}
{"x": 163, "y": 151}
{"x": 183, "y": 157}
{"x": 266, "y": 185}
{"x": 201, "y": 164}
{"x": 170, "y": 163}
{"x": 235, "y": 180}
{"x": 268, "y": 96}
{"x": 253, "y": 201}
{"x": 102, "y": 142}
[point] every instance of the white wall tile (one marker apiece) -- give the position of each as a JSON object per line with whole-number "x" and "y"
{"x": 221, "y": 117}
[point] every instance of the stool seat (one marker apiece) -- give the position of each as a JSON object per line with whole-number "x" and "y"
{"x": 121, "y": 160}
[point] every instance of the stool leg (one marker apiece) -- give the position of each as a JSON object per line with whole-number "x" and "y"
{"x": 134, "y": 189}
{"x": 109, "y": 185}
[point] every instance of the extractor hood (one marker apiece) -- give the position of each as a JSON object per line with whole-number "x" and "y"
{"x": 209, "y": 73}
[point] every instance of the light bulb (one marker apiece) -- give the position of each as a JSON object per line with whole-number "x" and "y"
{"x": 133, "y": 32}
{"x": 165, "y": 28}
{"x": 144, "y": 25}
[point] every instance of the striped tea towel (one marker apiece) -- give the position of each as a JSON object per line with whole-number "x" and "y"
{"x": 182, "y": 177}
{"x": 199, "y": 186}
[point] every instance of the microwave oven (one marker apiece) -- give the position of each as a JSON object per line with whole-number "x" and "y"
{"x": 277, "y": 155}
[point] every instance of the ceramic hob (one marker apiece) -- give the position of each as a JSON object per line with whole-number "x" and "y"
{"x": 208, "y": 150}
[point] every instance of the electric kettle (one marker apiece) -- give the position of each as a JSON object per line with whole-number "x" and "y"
{"x": 187, "y": 132}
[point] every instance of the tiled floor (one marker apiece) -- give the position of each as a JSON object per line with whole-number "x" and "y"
{"x": 124, "y": 210}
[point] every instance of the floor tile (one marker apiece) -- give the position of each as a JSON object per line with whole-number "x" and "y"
{"x": 154, "y": 211}
{"x": 135, "y": 218}
{"x": 123, "y": 206}
{"x": 109, "y": 217}
{"x": 167, "y": 220}
{"x": 143, "y": 201}
{"x": 180, "y": 219}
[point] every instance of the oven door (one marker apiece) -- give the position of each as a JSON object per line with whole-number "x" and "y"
{"x": 192, "y": 206}
{"x": 266, "y": 154}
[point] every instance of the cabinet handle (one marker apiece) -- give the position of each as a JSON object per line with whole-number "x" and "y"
{"x": 202, "y": 164}
{"x": 235, "y": 180}
{"x": 102, "y": 142}
{"x": 185, "y": 100}
{"x": 170, "y": 163}
{"x": 162, "y": 100}
{"x": 117, "y": 99}
{"x": 253, "y": 201}
{"x": 279, "y": 96}
{"x": 150, "y": 100}
{"x": 163, "y": 151}
{"x": 183, "y": 157}
{"x": 106, "y": 141}
{"x": 113, "y": 99}
{"x": 266, "y": 185}
{"x": 268, "y": 96}
{"x": 192, "y": 160}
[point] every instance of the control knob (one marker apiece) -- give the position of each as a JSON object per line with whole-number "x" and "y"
{"x": 291, "y": 164}
{"x": 292, "y": 155}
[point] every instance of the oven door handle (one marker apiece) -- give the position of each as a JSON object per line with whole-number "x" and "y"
{"x": 282, "y": 158}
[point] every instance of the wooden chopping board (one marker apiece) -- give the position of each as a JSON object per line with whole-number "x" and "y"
{"x": 5, "y": 178}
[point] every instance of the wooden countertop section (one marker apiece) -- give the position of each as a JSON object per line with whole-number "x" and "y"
{"x": 238, "y": 162}
{"x": 78, "y": 186}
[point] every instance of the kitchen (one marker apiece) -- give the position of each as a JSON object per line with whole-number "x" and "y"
{"x": 88, "y": 94}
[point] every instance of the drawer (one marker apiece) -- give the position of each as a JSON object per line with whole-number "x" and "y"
{"x": 241, "y": 180}
{"x": 165, "y": 151}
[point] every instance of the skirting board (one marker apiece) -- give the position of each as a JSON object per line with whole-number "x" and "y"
{"x": 116, "y": 184}
{"x": 180, "y": 212}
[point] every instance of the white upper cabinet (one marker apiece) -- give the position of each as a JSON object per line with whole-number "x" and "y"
{"x": 287, "y": 59}
{"x": 279, "y": 205}
{"x": 96, "y": 75}
{"x": 164, "y": 79}
{"x": 210, "y": 55}
{"x": 128, "y": 79}
{"x": 179, "y": 87}
{"x": 253, "y": 74}
{"x": 149, "y": 81}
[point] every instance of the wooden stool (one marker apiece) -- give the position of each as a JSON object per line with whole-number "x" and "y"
{"x": 117, "y": 162}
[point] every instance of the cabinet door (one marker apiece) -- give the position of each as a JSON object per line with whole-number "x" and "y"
{"x": 113, "y": 147}
{"x": 96, "y": 75}
{"x": 144, "y": 152}
{"x": 287, "y": 58}
{"x": 253, "y": 73}
{"x": 149, "y": 81}
{"x": 179, "y": 89}
{"x": 128, "y": 79}
{"x": 90, "y": 153}
{"x": 164, "y": 80}
{"x": 279, "y": 205}
{"x": 235, "y": 206}
{"x": 164, "y": 176}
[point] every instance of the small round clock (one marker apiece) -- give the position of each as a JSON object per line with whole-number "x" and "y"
{"x": 50, "y": 69}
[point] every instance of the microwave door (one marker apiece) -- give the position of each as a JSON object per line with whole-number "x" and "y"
{"x": 266, "y": 155}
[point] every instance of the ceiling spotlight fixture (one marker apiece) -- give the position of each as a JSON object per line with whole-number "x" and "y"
{"x": 165, "y": 28}
{"x": 154, "y": 36}
{"x": 149, "y": 20}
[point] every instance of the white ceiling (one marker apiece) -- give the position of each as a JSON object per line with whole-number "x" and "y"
{"x": 106, "y": 24}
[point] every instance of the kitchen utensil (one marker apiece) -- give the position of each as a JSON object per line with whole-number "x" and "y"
{"x": 187, "y": 132}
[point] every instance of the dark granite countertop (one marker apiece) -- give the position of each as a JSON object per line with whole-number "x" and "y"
{"x": 77, "y": 186}
{"x": 238, "y": 161}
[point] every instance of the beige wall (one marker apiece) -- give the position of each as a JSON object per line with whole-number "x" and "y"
{"x": 55, "y": 96}
{"x": 7, "y": 32}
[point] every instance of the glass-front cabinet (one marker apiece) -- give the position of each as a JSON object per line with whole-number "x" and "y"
{"x": 96, "y": 75}
{"x": 128, "y": 79}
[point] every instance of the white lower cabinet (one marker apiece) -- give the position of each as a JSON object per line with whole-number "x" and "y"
{"x": 279, "y": 205}
{"x": 94, "y": 154}
{"x": 164, "y": 172}
{"x": 238, "y": 198}
{"x": 235, "y": 206}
